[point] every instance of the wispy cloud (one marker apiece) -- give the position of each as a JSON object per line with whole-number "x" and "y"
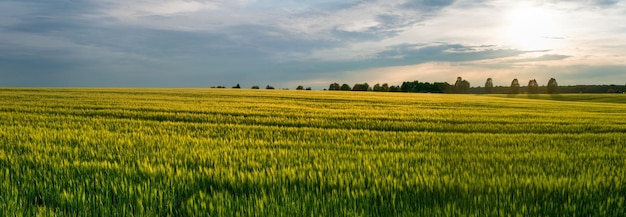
{"x": 545, "y": 57}
{"x": 212, "y": 42}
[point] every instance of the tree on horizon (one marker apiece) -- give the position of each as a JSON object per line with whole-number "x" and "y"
{"x": 489, "y": 85}
{"x": 461, "y": 86}
{"x": 376, "y": 87}
{"x": 361, "y": 87}
{"x": 552, "y": 86}
{"x": 384, "y": 87}
{"x": 533, "y": 87}
{"x": 515, "y": 88}
{"x": 345, "y": 87}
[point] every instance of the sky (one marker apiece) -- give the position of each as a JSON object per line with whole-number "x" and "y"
{"x": 286, "y": 43}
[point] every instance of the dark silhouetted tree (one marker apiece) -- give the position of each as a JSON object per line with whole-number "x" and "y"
{"x": 424, "y": 87}
{"x": 237, "y": 86}
{"x": 533, "y": 87}
{"x": 384, "y": 87}
{"x": 255, "y": 87}
{"x": 334, "y": 86}
{"x": 376, "y": 87}
{"x": 552, "y": 86}
{"x": 361, "y": 87}
{"x": 300, "y": 87}
{"x": 345, "y": 87}
{"x": 461, "y": 86}
{"x": 308, "y": 88}
{"x": 489, "y": 86}
{"x": 410, "y": 86}
{"x": 268, "y": 87}
{"x": 442, "y": 87}
{"x": 515, "y": 88}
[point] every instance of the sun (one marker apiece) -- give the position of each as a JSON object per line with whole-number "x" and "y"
{"x": 532, "y": 28}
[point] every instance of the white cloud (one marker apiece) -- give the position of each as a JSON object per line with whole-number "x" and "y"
{"x": 366, "y": 18}
{"x": 137, "y": 9}
{"x": 373, "y": 40}
{"x": 177, "y": 15}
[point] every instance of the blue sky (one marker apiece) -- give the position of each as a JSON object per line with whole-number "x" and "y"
{"x": 201, "y": 43}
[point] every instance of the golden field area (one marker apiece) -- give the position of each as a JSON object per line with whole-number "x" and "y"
{"x": 225, "y": 152}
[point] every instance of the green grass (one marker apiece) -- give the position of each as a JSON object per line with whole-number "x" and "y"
{"x": 211, "y": 152}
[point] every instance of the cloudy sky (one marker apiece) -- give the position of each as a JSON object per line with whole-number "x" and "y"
{"x": 285, "y": 43}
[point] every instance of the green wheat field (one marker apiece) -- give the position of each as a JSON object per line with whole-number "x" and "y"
{"x": 225, "y": 152}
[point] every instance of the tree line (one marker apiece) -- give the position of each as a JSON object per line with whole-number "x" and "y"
{"x": 462, "y": 86}
{"x": 407, "y": 86}
{"x": 531, "y": 88}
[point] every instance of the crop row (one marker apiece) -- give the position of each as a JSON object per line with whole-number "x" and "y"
{"x": 157, "y": 152}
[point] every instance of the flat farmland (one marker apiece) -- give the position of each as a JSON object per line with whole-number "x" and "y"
{"x": 226, "y": 152}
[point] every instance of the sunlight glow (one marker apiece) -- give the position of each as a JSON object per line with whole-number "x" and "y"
{"x": 532, "y": 28}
